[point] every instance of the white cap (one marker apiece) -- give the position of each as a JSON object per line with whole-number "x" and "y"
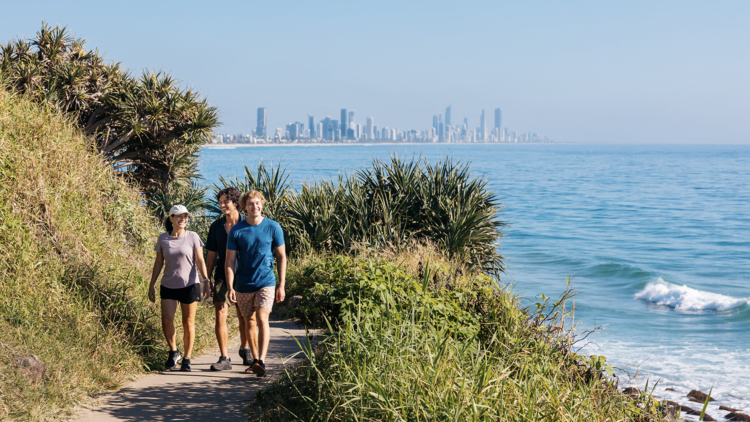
{"x": 178, "y": 209}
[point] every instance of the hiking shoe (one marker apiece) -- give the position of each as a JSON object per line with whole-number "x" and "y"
{"x": 246, "y": 357}
{"x": 174, "y": 356}
{"x": 243, "y": 352}
{"x": 259, "y": 368}
{"x": 224, "y": 364}
{"x": 185, "y": 365}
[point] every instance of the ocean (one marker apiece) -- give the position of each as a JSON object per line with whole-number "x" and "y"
{"x": 656, "y": 239}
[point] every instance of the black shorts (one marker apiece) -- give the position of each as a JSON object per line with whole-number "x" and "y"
{"x": 220, "y": 291}
{"x": 185, "y": 295}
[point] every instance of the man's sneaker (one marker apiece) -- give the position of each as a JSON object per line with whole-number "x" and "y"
{"x": 259, "y": 368}
{"x": 174, "y": 356}
{"x": 185, "y": 365}
{"x": 243, "y": 352}
{"x": 224, "y": 364}
{"x": 246, "y": 357}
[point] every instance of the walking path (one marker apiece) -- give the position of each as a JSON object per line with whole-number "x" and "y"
{"x": 200, "y": 395}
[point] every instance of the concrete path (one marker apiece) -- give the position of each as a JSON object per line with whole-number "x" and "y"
{"x": 200, "y": 395}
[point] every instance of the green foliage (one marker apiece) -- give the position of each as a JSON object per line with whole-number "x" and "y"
{"x": 345, "y": 289}
{"x": 75, "y": 261}
{"x": 148, "y": 127}
{"x": 192, "y": 196}
{"x": 387, "y": 205}
{"x": 407, "y": 348}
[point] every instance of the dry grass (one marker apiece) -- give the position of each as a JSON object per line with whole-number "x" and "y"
{"x": 75, "y": 257}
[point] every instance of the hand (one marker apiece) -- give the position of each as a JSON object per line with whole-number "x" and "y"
{"x": 206, "y": 293}
{"x": 152, "y": 294}
{"x": 232, "y": 296}
{"x": 280, "y": 294}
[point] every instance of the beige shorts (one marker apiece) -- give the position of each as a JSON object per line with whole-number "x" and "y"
{"x": 263, "y": 298}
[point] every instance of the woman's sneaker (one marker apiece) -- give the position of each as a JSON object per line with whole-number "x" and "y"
{"x": 224, "y": 364}
{"x": 174, "y": 356}
{"x": 185, "y": 365}
{"x": 259, "y": 368}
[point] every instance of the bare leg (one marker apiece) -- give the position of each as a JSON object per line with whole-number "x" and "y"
{"x": 220, "y": 327}
{"x": 244, "y": 342}
{"x": 168, "y": 309}
{"x": 252, "y": 334}
{"x": 188, "y": 325}
{"x": 264, "y": 330}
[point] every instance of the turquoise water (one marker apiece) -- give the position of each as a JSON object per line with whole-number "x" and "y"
{"x": 656, "y": 237}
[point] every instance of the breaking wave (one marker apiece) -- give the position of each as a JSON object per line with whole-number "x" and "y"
{"x": 684, "y": 298}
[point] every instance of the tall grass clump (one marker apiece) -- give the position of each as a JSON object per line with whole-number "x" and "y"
{"x": 387, "y": 205}
{"x": 427, "y": 342}
{"x": 75, "y": 257}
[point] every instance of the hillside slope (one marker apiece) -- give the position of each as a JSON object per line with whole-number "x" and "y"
{"x": 75, "y": 256}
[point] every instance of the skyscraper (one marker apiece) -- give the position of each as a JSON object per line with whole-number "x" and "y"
{"x": 311, "y": 125}
{"x": 441, "y": 128}
{"x": 482, "y": 128}
{"x": 344, "y": 125}
{"x": 327, "y": 134}
{"x": 498, "y": 119}
{"x": 351, "y": 131}
{"x": 260, "y": 130}
{"x": 448, "y": 115}
{"x": 370, "y": 129}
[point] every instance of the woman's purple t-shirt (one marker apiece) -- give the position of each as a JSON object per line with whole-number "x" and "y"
{"x": 180, "y": 270}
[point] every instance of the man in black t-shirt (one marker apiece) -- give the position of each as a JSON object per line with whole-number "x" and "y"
{"x": 216, "y": 244}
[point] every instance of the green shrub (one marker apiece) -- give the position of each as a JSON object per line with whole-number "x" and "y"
{"x": 345, "y": 289}
{"x": 389, "y": 205}
{"x": 407, "y": 349}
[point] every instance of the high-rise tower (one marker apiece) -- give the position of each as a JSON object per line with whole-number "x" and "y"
{"x": 448, "y": 115}
{"x": 344, "y": 125}
{"x": 498, "y": 119}
{"x": 311, "y": 125}
{"x": 482, "y": 128}
{"x": 260, "y": 130}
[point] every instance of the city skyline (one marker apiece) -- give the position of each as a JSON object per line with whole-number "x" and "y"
{"x": 348, "y": 130}
{"x": 607, "y": 72}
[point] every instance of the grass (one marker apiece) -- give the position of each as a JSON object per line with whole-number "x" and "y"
{"x": 410, "y": 338}
{"x": 75, "y": 260}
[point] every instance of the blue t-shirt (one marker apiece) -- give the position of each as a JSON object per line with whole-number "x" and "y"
{"x": 254, "y": 246}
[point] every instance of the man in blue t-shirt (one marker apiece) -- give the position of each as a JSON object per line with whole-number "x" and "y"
{"x": 253, "y": 244}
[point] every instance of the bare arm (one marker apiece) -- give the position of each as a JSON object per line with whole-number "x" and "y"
{"x": 205, "y": 287}
{"x": 158, "y": 265}
{"x": 200, "y": 263}
{"x": 279, "y": 253}
{"x": 210, "y": 262}
{"x": 229, "y": 273}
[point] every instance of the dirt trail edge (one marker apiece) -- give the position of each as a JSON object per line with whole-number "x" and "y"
{"x": 200, "y": 395}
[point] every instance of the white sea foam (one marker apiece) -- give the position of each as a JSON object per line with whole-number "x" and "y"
{"x": 682, "y": 367}
{"x": 684, "y": 298}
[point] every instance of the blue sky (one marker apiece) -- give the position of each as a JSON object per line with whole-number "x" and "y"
{"x": 612, "y": 72}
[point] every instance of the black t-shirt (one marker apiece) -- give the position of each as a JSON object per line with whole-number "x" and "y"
{"x": 217, "y": 242}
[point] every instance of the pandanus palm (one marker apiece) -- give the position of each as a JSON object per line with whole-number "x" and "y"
{"x": 147, "y": 128}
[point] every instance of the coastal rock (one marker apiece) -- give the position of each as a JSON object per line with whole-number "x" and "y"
{"x": 699, "y": 395}
{"x": 669, "y": 389}
{"x": 31, "y": 367}
{"x": 729, "y": 409}
{"x": 631, "y": 391}
{"x": 688, "y": 410}
{"x": 736, "y": 416}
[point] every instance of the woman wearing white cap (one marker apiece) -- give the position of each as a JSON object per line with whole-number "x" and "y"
{"x": 180, "y": 252}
